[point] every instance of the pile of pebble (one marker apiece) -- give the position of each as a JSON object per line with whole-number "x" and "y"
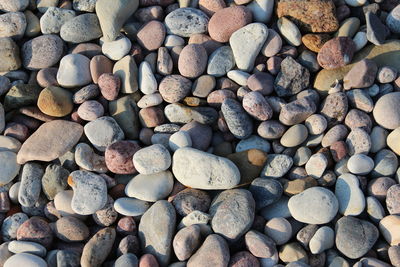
{"x": 241, "y": 133}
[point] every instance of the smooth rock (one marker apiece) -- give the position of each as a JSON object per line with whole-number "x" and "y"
{"x": 239, "y": 123}
{"x": 294, "y": 136}
{"x": 30, "y": 187}
{"x": 178, "y": 140}
{"x": 186, "y": 242}
{"x": 336, "y": 53}
{"x": 323, "y": 239}
{"x": 261, "y": 9}
{"x": 54, "y": 180}
{"x": 117, "y": 49}
{"x": 316, "y": 165}
{"x": 98, "y": 247}
{"x": 80, "y": 29}
{"x": 103, "y": 131}
{"x": 88, "y": 160}
{"x": 393, "y": 20}
{"x": 13, "y": 6}
{"x": 392, "y": 199}
{"x": 147, "y": 81}
{"x": 391, "y": 141}
{"x": 127, "y": 260}
{"x": 174, "y": 88}
{"x": 11, "y": 224}
{"x": 13, "y": 25}
{"x": 126, "y": 69}
{"x": 25, "y": 259}
{"x": 18, "y": 247}
{"x": 118, "y": 157}
{"x": 55, "y": 101}
{"x": 125, "y": 111}
{"x": 151, "y": 35}
{"x": 360, "y": 164}
{"x": 388, "y": 227}
{"x": 289, "y": 31}
{"x": 259, "y": 244}
{"x": 351, "y": 198}
{"x": 385, "y": 105}
{"x": 74, "y": 71}
{"x": 71, "y": 229}
{"x": 130, "y": 206}
{"x": 54, "y": 18}
{"x": 186, "y": 21}
{"x": 361, "y": 75}
{"x": 36, "y": 229}
{"x": 192, "y": 61}
{"x": 9, "y": 166}
{"x": 152, "y": 159}
{"x": 90, "y": 110}
{"x": 220, "y": 61}
{"x": 277, "y": 165}
{"x": 265, "y": 191}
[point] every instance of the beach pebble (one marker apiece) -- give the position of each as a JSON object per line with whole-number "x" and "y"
{"x": 265, "y": 191}
{"x": 214, "y": 250}
{"x": 178, "y": 140}
{"x": 71, "y": 229}
{"x": 147, "y": 81}
{"x": 388, "y": 227}
{"x": 30, "y": 187}
{"x": 336, "y": 53}
{"x": 255, "y": 104}
{"x": 25, "y": 259}
{"x": 13, "y": 25}
{"x": 87, "y": 159}
{"x": 392, "y": 199}
{"x": 186, "y": 21}
{"x": 98, "y": 247}
{"x": 130, "y": 206}
{"x": 277, "y": 165}
{"x": 239, "y": 123}
{"x": 361, "y": 75}
{"x": 393, "y": 20}
{"x": 298, "y": 111}
{"x": 55, "y": 101}
{"x": 126, "y": 69}
{"x": 152, "y": 159}
{"x": 11, "y": 224}
{"x": 259, "y": 244}
{"x": 126, "y": 260}
{"x": 36, "y": 229}
{"x": 192, "y": 61}
{"x": 174, "y": 88}
{"x": 358, "y": 142}
{"x": 90, "y": 110}
{"x": 118, "y": 157}
{"x": 289, "y": 31}
{"x": 316, "y": 165}
{"x": 54, "y": 18}
{"x": 386, "y": 105}
{"x": 350, "y": 196}
{"x": 294, "y": 136}
{"x": 80, "y": 29}
{"x": 103, "y": 131}
{"x": 9, "y": 165}
{"x": 360, "y": 164}
{"x": 74, "y": 71}
{"x": 186, "y": 241}
{"x": 151, "y": 35}
{"x": 117, "y": 49}
{"x": 220, "y": 61}
{"x": 279, "y": 229}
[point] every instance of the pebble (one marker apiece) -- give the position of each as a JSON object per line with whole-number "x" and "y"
{"x": 292, "y": 78}
{"x": 375, "y": 209}
{"x": 126, "y": 260}
{"x": 90, "y": 110}
{"x": 103, "y": 131}
{"x": 42, "y": 52}
{"x": 117, "y": 49}
{"x": 350, "y": 196}
{"x": 100, "y": 64}
{"x": 118, "y": 157}
{"x": 360, "y": 164}
{"x": 126, "y": 69}
{"x": 299, "y": 111}
{"x": 98, "y": 247}
{"x": 256, "y": 105}
{"x": 178, "y": 140}
{"x": 294, "y": 136}
{"x": 80, "y": 29}
{"x": 228, "y": 20}
{"x": 192, "y": 61}
{"x": 62, "y": 203}
{"x": 388, "y": 227}
{"x": 214, "y": 250}
{"x": 361, "y": 75}
{"x": 9, "y": 55}
{"x": 293, "y": 252}
{"x": 52, "y": 140}
{"x": 221, "y": 61}
{"x": 239, "y": 77}
{"x": 392, "y": 20}
{"x": 277, "y": 165}
{"x": 186, "y": 21}
{"x": 55, "y": 101}
{"x": 18, "y": 247}
{"x": 186, "y": 241}
{"x": 323, "y": 239}
{"x": 11, "y": 224}
{"x": 10, "y": 167}
{"x": 358, "y": 142}
{"x": 36, "y": 230}
{"x": 54, "y": 18}
{"x": 189, "y": 162}
{"x": 25, "y": 259}
{"x": 336, "y": 53}
{"x": 376, "y": 30}
{"x": 174, "y": 88}
{"x": 64, "y": 257}
{"x": 88, "y": 160}
{"x": 289, "y": 31}
{"x": 162, "y": 216}
{"x": 148, "y": 260}
{"x": 379, "y": 187}
{"x": 152, "y": 159}
{"x": 386, "y": 105}
{"x": 210, "y": 7}
{"x": 150, "y": 187}
{"x": 261, "y": 82}
{"x": 151, "y": 35}
{"x": 360, "y": 99}
{"x": 279, "y": 229}
{"x": 360, "y": 40}
{"x": 13, "y": 6}
{"x": 30, "y": 187}
{"x": 74, "y": 71}
{"x": 90, "y": 192}
{"x": 71, "y": 229}
{"x": 147, "y": 81}
{"x": 304, "y": 207}
{"x": 13, "y": 25}
{"x": 259, "y": 244}
{"x": 355, "y": 237}
{"x": 348, "y": 27}
{"x": 246, "y": 44}
{"x": 262, "y": 10}
{"x": 130, "y": 206}
{"x": 392, "y": 199}
{"x": 386, "y": 163}
{"x": 236, "y": 118}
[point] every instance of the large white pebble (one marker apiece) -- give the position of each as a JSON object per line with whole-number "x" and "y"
{"x": 360, "y": 164}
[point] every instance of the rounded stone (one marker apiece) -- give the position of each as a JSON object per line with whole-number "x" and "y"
{"x": 90, "y": 110}
{"x": 80, "y": 29}
{"x": 220, "y": 61}
{"x": 186, "y": 241}
{"x": 118, "y": 157}
{"x": 126, "y": 260}
{"x": 279, "y": 229}
{"x": 336, "y": 53}
{"x": 393, "y": 20}
{"x": 130, "y": 206}
{"x": 237, "y": 120}
{"x": 151, "y": 35}
{"x": 256, "y": 105}
{"x": 388, "y": 227}
{"x": 386, "y": 104}
{"x": 189, "y": 200}
{"x": 117, "y": 49}
{"x": 186, "y": 21}
{"x": 294, "y": 136}
{"x": 265, "y": 191}
{"x": 289, "y": 31}
{"x": 152, "y": 159}
{"x": 271, "y": 129}
{"x": 178, "y": 140}
{"x": 350, "y": 196}
{"x": 9, "y": 166}
{"x": 243, "y": 258}
{"x": 323, "y": 239}
{"x": 54, "y": 18}
{"x": 74, "y": 70}
{"x": 379, "y": 187}
{"x": 98, "y": 247}
{"x": 25, "y": 259}
{"x": 315, "y": 205}
{"x": 36, "y": 230}
{"x": 71, "y": 229}
{"x": 360, "y": 164}
{"x": 55, "y": 101}
{"x": 316, "y": 124}
{"x": 192, "y": 61}
{"x": 174, "y": 88}
{"x": 11, "y": 225}
{"x": 103, "y": 131}
{"x": 393, "y": 199}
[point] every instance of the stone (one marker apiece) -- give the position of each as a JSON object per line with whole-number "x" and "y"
{"x": 100, "y": 64}
{"x": 126, "y": 69}
{"x": 55, "y": 101}
{"x": 11, "y": 224}
{"x": 360, "y": 99}
{"x": 118, "y": 157}
{"x": 192, "y": 61}
{"x": 9, "y": 55}
{"x": 259, "y": 244}
{"x": 150, "y": 187}
{"x": 392, "y": 20}
{"x": 279, "y": 229}
{"x": 87, "y": 159}
{"x": 323, "y": 239}
{"x": 350, "y": 196}
{"x": 80, "y": 29}
{"x": 42, "y": 52}
{"x": 151, "y": 35}
{"x": 50, "y": 141}
{"x": 71, "y": 229}
{"x": 30, "y": 187}
{"x": 379, "y": 187}
{"x": 90, "y": 110}
{"x": 62, "y": 203}
{"x": 84, "y": 5}
{"x": 65, "y": 257}
{"x": 239, "y": 123}
{"x": 162, "y": 217}
{"x": 277, "y": 165}
{"x": 25, "y": 259}
{"x": 147, "y": 81}
{"x": 336, "y": 53}
{"x": 214, "y": 251}
{"x": 262, "y": 10}
{"x": 112, "y": 19}
{"x": 210, "y": 7}
{"x": 174, "y": 88}
{"x": 293, "y": 252}
{"x": 388, "y": 227}
{"x": 186, "y": 165}
{"x": 9, "y": 144}
{"x": 297, "y": 111}
{"x": 98, "y": 247}
{"x": 310, "y": 16}
{"x": 130, "y": 206}
{"x": 54, "y": 180}
{"x": 292, "y": 78}
{"x": 386, "y": 74}
{"x": 164, "y": 61}
{"x": 109, "y": 133}
{"x": 107, "y": 215}
{"x": 334, "y": 108}
{"x": 126, "y": 260}
{"x": 220, "y": 61}
{"x": 361, "y": 75}
{"x": 358, "y": 142}
{"x": 316, "y": 165}
{"x": 186, "y": 241}
{"x": 289, "y": 31}
{"x": 117, "y": 49}
{"x": 391, "y": 141}
{"x": 392, "y": 199}
{"x": 125, "y": 112}
{"x": 233, "y": 213}
{"x": 360, "y": 164}
{"x": 261, "y": 82}
{"x": 36, "y": 229}
{"x": 13, "y": 6}
{"x": 74, "y": 71}
{"x": 315, "y": 205}
{"x": 376, "y": 30}
{"x": 152, "y": 159}
{"x": 294, "y": 136}
{"x": 186, "y": 21}
{"x": 256, "y": 105}
{"x": 54, "y": 18}
{"x": 13, "y": 25}
{"x": 227, "y": 20}
{"x": 246, "y": 44}
{"x": 348, "y": 27}
{"x": 190, "y": 200}
{"x": 384, "y": 106}
{"x": 355, "y": 237}
{"x": 314, "y": 41}
{"x": 10, "y": 167}
{"x": 178, "y": 140}
{"x": 90, "y": 192}
{"x": 375, "y": 209}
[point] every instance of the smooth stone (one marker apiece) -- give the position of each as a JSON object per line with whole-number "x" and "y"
{"x": 376, "y": 30}
{"x": 9, "y": 166}
{"x": 337, "y": 52}
{"x": 36, "y": 229}
{"x": 11, "y": 224}
{"x": 55, "y": 101}
{"x": 90, "y": 192}
{"x": 4, "y": 253}
{"x": 50, "y": 141}
{"x": 261, "y": 82}
{"x": 127, "y": 70}
{"x": 355, "y": 237}
{"x": 360, "y": 164}
{"x": 151, "y": 35}
{"x": 103, "y": 131}
{"x": 277, "y": 165}
{"x": 350, "y": 196}
{"x": 393, "y": 20}
{"x": 221, "y": 61}
{"x": 42, "y": 52}
{"x": 358, "y": 142}
{"x": 360, "y": 40}
{"x": 54, "y": 180}
{"x": 54, "y": 18}
{"x": 147, "y": 81}
{"x": 386, "y": 105}
{"x": 74, "y": 71}
{"x": 13, "y": 6}
{"x": 8, "y": 143}
{"x": 259, "y": 244}
{"x": 25, "y": 259}
{"x": 160, "y": 216}
{"x": 237, "y": 120}
{"x": 261, "y": 9}
{"x": 233, "y": 213}
{"x": 30, "y": 187}
{"x": 315, "y": 205}
{"x": 150, "y": 187}
{"x": 81, "y": 29}
{"x": 113, "y": 18}
{"x": 90, "y": 110}
{"x": 361, "y": 75}
{"x": 392, "y": 199}
{"x": 152, "y": 159}
{"x": 84, "y": 5}
{"x": 18, "y": 247}
{"x": 62, "y": 203}
{"x": 360, "y": 99}
{"x": 210, "y": 171}
{"x": 88, "y": 160}
{"x": 271, "y": 129}
{"x": 118, "y": 157}
{"x": 294, "y": 136}
{"x": 316, "y": 124}
{"x": 238, "y": 76}
{"x": 117, "y": 49}
{"x": 174, "y": 88}
{"x": 86, "y": 93}
{"x": 253, "y": 142}
{"x": 348, "y": 27}
{"x": 151, "y": 100}
{"x": 199, "y": 133}
{"x": 13, "y": 25}
{"x": 265, "y": 191}
{"x": 100, "y": 64}
{"x": 67, "y": 257}
{"x": 273, "y": 44}
{"x": 279, "y": 229}
{"x": 192, "y": 61}
{"x": 375, "y": 209}
{"x": 127, "y": 260}
{"x": 125, "y": 111}
{"x": 98, "y": 247}
{"x": 392, "y": 139}
{"x": 9, "y": 55}
{"x": 21, "y": 95}
{"x": 293, "y": 252}
{"x": 186, "y": 241}
{"x": 186, "y": 21}
{"x": 178, "y": 140}
{"x": 130, "y": 206}
{"x": 71, "y": 229}
{"x": 388, "y": 227}
{"x": 316, "y": 165}
{"x": 323, "y": 239}
{"x": 276, "y": 209}
{"x": 289, "y": 31}
{"x": 214, "y": 251}
{"x": 246, "y": 44}
{"x": 257, "y": 106}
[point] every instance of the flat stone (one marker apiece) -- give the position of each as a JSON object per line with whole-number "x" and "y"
{"x": 351, "y": 198}
{"x": 289, "y": 31}
{"x": 221, "y": 61}
{"x": 355, "y": 237}
{"x": 9, "y": 165}
{"x": 50, "y": 141}
{"x": 27, "y": 247}
{"x": 361, "y": 75}
{"x": 315, "y": 205}
{"x": 98, "y": 247}
{"x": 152, "y": 159}
{"x": 130, "y": 206}
{"x": 160, "y": 216}
{"x": 186, "y": 21}
{"x": 30, "y": 187}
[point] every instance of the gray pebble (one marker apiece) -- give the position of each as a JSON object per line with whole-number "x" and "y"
{"x": 30, "y": 187}
{"x": 80, "y": 29}
{"x": 27, "y": 247}
{"x": 127, "y": 260}
{"x": 238, "y": 121}
{"x": 277, "y": 165}
{"x": 185, "y": 22}
{"x": 265, "y": 191}
{"x": 386, "y": 163}
{"x": 54, "y": 18}
{"x": 220, "y": 62}
{"x": 11, "y": 224}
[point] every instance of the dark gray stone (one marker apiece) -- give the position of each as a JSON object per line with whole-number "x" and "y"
{"x": 265, "y": 191}
{"x": 239, "y": 122}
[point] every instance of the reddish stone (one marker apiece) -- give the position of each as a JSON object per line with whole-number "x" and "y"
{"x": 17, "y": 131}
{"x": 148, "y": 260}
{"x": 118, "y": 157}
{"x": 117, "y": 191}
{"x": 109, "y": 85}
{"x": 127, "y": 226}
{"x": 151, "y": 36}
{"x": 36, "y": 230}
{"x": 151, "y": 117}
{"x": 243, "y": 259}
{"x": 336, "y": 53}
{"x": 211, "y": 6}
{"x": 338, "y": 150}
{"x": 47, "y": 77}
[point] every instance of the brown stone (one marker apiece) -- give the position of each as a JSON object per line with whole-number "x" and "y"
{"x": 36, "y": 230}
{"x": 338, "y": 150}
{"x": 87, "y": 49}
{"x": 336, "y": 53}
{"x": 151, "y": 117}
{"x": 55, "y": 101}
{"x": 299, "y": 185}
{"x": 206, "y": 41}
{"x": 148, "y": 260}
{"x": 47, "y": 77}
{"x": 151, "y": 36}
{"x": 361, "y": 75}
{"x": 211, "y": 6}
{"x": 98, "y": 65}
{"x": 118, "y": 157}
{"x": 310, "y": 16}
{"x": 314, "y": 41}
{"x": 192, "y": 61}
